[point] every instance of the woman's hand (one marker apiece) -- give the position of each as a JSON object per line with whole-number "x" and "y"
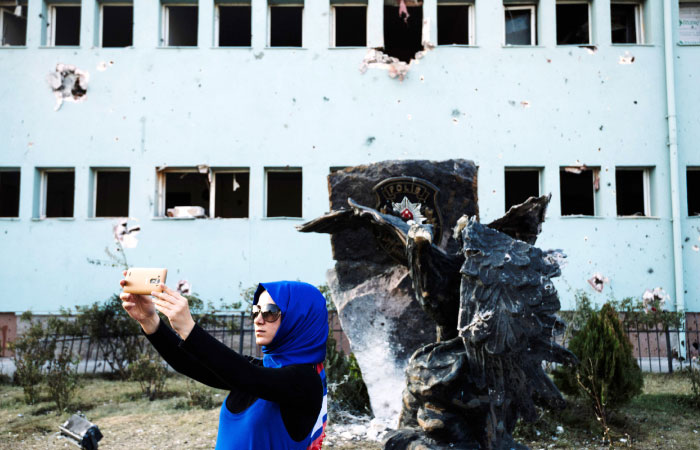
{"x": 140, "y": 308}
{"x": 176, "y": 309}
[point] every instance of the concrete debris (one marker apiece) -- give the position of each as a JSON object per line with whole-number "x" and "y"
{"x": 575, "y": 169}
{"x": 525, "y": 104}
{"x": 654, "y": 299}
{"x": 124, "y": 235}
{"x": 346, "y": 429}
{"x": 597, "y": 281}
{"x": 592, "y": 49}
{"x": 186, "y": 212}
{"x": 68, "y": 84}
{"x": 204, "y": 168}
{"x": 626, "y": 58}
{"x": 184, "y": 287}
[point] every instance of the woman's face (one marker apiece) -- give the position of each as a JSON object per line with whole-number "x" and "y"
{"x": 265, "y": 331}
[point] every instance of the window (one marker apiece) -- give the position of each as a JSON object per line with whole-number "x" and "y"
{"x": 521, "y": 184}
{"x": 13, "y": 24}
{"x": 186, "y": 191}
{"x": 231, "y": 194}
{"x": 403, "y": 35}
{"x": 632, "y": 192}
{"x": 455, "y": 24}
{"x": 285, "y": 25}
{"x": 58, "y": 191}
{"x": 284, "y": 193}
{"x": 693, "y": 189}
{"x": 9, "y": 193}
{"x": 521, "y": 28}
{"x": 626, "y": 23}
{"x": 349, "y": 26}
{"x": 577, "y": 191}
{"x": 117, "y": 25}
{"x": 573, "y": 23}
{"x": 63, "y": 25}
{"x": 689, "y": 22}
{"x": 111, "y": 193}
{"x": 233, "y": 25}
{"x": 180, "y": 25}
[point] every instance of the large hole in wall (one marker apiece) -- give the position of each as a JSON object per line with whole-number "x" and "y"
{"x": 181, "y": 26}
{"x": 66, "y": 25}
{"x": 112, "y": 194}
{"x": 117, "y": 26}
{"x": 60, "y": 191}
{"x": 576, "y": 190}
{"x": 403, "y": 37}
{"x": 231, "y": 199}
{"x": 350, "y": 26}
{"x": 187, "y": 189}
{"x": 14, "y": 25}
{"x": 9, "y": 193}
{"x": 572, "y": 24}
{"x": 285, "y": 26}
{"x": 284, "y": 194}
{"x": 234, "y": 26}
{"x": 521, "y": 184}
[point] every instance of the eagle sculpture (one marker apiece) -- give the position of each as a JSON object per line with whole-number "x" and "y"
{"x": 495, "y": 307}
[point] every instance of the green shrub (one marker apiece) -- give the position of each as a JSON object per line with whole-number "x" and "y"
{"x": 607, "y": 375}
{"x": 694, "y": 375}
{"x": 197, "y": 397}
{"x": 32, "y": 351}
{"x": 62, "y": 378}
{"x": 346, "y": 389}
{"x": 151, "y": 373}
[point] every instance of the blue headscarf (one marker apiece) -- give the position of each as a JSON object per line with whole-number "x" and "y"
{"x": 302, "y": 334}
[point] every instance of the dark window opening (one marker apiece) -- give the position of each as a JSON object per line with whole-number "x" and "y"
{"x": 117, "y": 26}
{"x": 66, "y": 25}
{"x": 576, "y": 190}
{"x": 521, "y": 185}
{"x": 630, "y": 192}
{"x": 9, "y": 193}
{"x": 623, "y": 18}
{"x": 284, "y": 194}
{"x": 350, "y": 26}
{"x": 285, "y": 26}
{"x": 453, "y": 24}
{"x": 572, "y": 24}
{"x": 232, "y": 194}
{"x": 519, "y": 26}
{"x": 402, "y": 39}
{"x": 187, "y": 189}
{"x": 234, "y": 26}
{"x": 112, "y": 194}
{"x": 182, "y": 26}
{"x": 60, "y": 190}
{"x": 693, "y": 186}
{"x": 14, "y": 25}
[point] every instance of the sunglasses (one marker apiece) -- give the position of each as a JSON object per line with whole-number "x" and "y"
{"x": 270, "y": 312}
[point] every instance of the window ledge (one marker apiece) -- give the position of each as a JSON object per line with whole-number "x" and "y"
{"x": 299, "y": 219}
{"x": 348, "y": 47}
{"x": 581, "y": 216}
{"x": 688, "y": 44}
{"x": 456, "y": 46}
{"x": 63, "y": 219}
{"x": 639, "y": 217}
{"x": 9, "y": 219}
{"x": 696, "y": 217}
{"x": 106, "y": 218}
{"x": 584, "y": 46}
{"x": 232, "y": 47}
{"x": 522, "y": 46}
{"x": 285, "y": 48}
{"x": 12, "y": 47}
{"x": 632, "y": 45}
{"x": 178, "y": 47}
{"x": 174, "y": 218}
{"x": 60, "y": 47}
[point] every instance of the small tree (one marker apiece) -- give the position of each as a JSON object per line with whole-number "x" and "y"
{"x": 608, "y": 374}
{"x": 151, "y": 374}
{"x": 62, "y": 378}
{"x": 32, "y": 351}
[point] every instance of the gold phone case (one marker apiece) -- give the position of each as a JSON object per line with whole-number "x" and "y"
{"x": 142, "y": 280}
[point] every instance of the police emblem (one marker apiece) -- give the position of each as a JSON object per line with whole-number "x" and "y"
{"x": 413, "y": 200}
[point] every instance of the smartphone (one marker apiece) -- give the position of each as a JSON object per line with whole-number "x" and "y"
{"x": 143, "y": 280}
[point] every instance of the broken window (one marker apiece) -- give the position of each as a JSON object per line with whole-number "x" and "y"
{"x": 233, "y": 23}
{"x": 117, "y": 25}
{"x": 573, "y": 23}
{"x": 521, "y": 184}
{"x": 689, "y": 22}
{"x": 63, "y": 25}
{"x": 632, "y": 192}
{"x": 349, "y": 26}
{"x": 521, "y": 28}
{"x": 283, "y": 193}
{"x": 112, "y": 193}
{"x": 231, "y": 194}
{"x": 59, "y": 192}
{"x": 402, "y": 33}
{"x": 9, "y": 193}
{"x": 626, "y": 23}
{"x": 693, "y": 189}
{"x": 186, "y": 194}
{"x": 454, "y": 22}
{"x": 577, "y": 191}
{"x": 13, "y": 24}
{"x": 180, "y": 25}
{"x": 285, "y": 25}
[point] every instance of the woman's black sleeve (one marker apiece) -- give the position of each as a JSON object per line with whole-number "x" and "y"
{"x": 167, "y": 343}
{"x": 294, "y": 383}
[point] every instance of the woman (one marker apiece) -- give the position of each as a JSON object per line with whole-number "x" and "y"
{"x": 276, "y": 403}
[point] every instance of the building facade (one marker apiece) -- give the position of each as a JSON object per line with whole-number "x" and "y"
{"x": 242, "y": 108}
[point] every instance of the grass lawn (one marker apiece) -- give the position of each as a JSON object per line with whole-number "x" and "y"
{"x": 659, "y": 418}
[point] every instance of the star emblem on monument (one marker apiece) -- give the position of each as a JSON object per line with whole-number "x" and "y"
{"x": 409, "y": 211}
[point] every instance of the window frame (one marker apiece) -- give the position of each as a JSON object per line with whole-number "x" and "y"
{"x": 646, "y": 190}
{"x": 43, "y": 194}
{"x": 102, "y": 6}
{"x": 638, "y": 21}
{"x": 540, "y": 177}
{"x": 95, "y": 172}
{"x": 6, "y": 4}
{"x": 533, "y": 23}
{"x": 212, "y": 191}
{"x": 217, "y": 24}
{"x": 269, "y": 25}
{"x": 165, "y": 15}
{"x": 334, "y": 18}
{"x": 272, "y": 169}
{"x": 51, "y": 32}
{"x": 471, "y": 23}
{"x": 595, "y": 173}
{"x": 590, "y": 20}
